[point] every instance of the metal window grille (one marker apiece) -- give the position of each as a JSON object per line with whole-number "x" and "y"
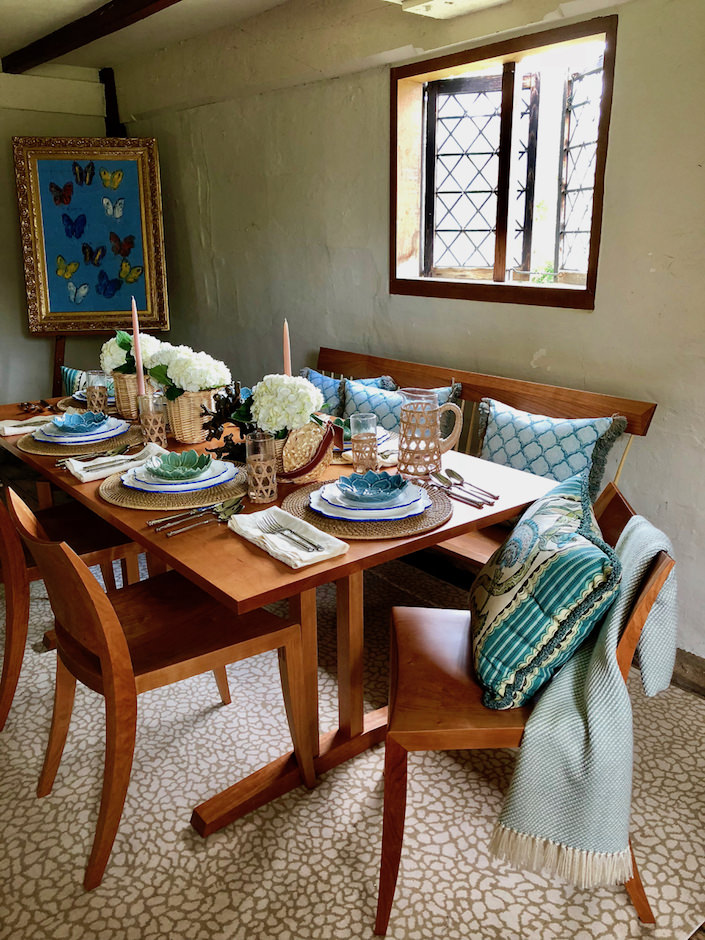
{"x": 581, "y": 116}
{"x": 528, "y": 127}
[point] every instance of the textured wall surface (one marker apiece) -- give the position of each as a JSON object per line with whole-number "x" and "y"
{"x": 32, "y": 106}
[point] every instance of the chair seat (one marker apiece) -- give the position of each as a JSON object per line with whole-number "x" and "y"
{"x": 436, "y": 701}
{"x": 169, "y": 624}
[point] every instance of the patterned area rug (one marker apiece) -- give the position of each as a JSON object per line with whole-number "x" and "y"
{"x": 305, "y": 867}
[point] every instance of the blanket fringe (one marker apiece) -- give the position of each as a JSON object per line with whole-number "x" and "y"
{"x": 580, "y": 867}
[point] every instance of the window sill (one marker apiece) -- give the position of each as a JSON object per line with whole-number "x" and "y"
{"x": 578, "y": 298}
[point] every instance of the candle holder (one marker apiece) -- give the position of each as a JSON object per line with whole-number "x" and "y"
{"x": 97, "y": 391}
{"x": 152, "y": 411}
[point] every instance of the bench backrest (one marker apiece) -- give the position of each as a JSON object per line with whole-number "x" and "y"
{"x": 552, "y": 400}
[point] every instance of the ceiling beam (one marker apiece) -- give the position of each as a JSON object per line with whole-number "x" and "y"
{"x": 101, "y": 22}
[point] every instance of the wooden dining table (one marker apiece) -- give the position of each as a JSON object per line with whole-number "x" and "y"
{"x": 243, "y": 577}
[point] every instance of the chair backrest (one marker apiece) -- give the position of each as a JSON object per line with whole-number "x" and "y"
{"x": 613, "y": 512}
{"x": 13, "y": 569}
{"x": 86, "y": 620}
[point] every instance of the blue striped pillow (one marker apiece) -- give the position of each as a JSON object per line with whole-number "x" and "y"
{"x": 73, "y": 379}
{"x": 540, "y": 595}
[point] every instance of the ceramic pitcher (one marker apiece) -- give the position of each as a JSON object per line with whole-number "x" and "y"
{"x": 420, "y": 441}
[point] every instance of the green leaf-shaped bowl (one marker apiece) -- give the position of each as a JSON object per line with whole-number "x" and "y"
{"x": 175, "y": 467}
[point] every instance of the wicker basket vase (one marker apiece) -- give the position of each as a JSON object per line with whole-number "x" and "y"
{"x": 279, "y": 443}
{"x": 126, "y": 395}
{"x": 185, "y": 416}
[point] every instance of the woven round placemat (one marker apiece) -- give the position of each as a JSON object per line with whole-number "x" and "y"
{"x": 437, "y": 513}
{"x": 112, "y": 491}
{"x": 63, "y": 404}
{"x": 30, "y": 445}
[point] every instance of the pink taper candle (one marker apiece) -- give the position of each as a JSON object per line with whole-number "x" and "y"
{"x": 287, "y": 350}
{"x": 137, "y": 350}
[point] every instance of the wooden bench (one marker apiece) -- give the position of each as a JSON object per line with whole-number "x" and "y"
{"x": 552, "y": 400}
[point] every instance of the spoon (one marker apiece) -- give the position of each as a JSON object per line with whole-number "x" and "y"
{"x": 454, "y": 475}
{"x": 446, "y": 484}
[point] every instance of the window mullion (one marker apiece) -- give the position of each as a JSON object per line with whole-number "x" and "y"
{"x": 429, "y": 214}
{"x": 505, "y": 152}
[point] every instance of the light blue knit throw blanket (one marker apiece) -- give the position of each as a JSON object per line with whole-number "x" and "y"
{"x": 567, "y": 809}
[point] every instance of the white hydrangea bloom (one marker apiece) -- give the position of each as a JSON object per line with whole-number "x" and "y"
{"x": 112, "y": 356}
{"x": 195, "y": 372}
{"x": 284, "y": 402}
{"x": 164, "y": 355}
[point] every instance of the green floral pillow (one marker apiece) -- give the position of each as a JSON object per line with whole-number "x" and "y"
{"x": 540, "y": 595}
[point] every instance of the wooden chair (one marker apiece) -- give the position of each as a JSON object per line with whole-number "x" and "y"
{"x": 145, "y": 636}
{"x": 97, "y": 542}
{"x": 435, "y": 703}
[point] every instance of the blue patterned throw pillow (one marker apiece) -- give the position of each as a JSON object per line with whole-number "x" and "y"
{"x": 387, "y": 405}
{"x": 73, "y": 380}
{"x": 549, "y": 447}
{"x": 333, "y": 390}
{"x": 540, "y": 595}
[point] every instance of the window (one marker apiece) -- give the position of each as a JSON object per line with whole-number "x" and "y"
{"x": 497, "y": 168}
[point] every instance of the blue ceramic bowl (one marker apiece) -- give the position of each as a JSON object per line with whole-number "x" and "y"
{"x": 185, "y": 466}
{"x": 371, "y": 487}
{"x": 80, "y": 424}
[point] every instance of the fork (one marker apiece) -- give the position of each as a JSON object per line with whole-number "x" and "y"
{"x": 268, "y": 524}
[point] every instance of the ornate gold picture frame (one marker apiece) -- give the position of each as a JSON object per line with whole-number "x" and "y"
{"x": 91, "y": 226}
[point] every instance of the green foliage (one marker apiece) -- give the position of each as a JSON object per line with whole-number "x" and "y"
{"x": 124, "y": 340}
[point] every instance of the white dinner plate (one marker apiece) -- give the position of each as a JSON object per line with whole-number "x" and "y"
{"x": 187, "y": 486}
{"x": 318, "y": 504}
{"x": 214, "y": 470}
{"x": 332, "y": 494}
{"x": 80, "y": 395}
{"x": 50, "y": 434}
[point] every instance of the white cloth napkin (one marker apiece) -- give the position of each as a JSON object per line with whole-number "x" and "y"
{"x": 103, "y": 467}
{"x": 279, "y": 546}
{"x": 9, "y": 427}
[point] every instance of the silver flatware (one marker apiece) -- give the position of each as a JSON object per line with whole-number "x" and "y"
{"x": 454, "y": 475}
{"x": 218, "y": 517}
{"x": 112, "y": 452}
{"x": 269, "y": 525}
{"x": 451, "y": 489}
{"x": 164, "y": 522}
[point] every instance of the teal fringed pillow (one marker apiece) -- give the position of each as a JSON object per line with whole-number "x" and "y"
{"x": 73, "y": 380}
{"x": 549, "y": 447}
{"x": 540, "y": 595}
{"x": 333, "y": 390}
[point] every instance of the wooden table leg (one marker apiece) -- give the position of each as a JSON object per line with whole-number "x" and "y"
{"x": 350, "y": 654}
{"x": 303, "y": 609}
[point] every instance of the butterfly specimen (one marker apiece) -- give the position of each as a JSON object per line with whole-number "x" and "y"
{"x": 77, "y": 294}
{"x": 66, "y": 269}
{"x": 129, "y": 274}
{"x": 111, "y": 180}
{"x": 74, "y": 228}
{"x": 83, "y": 174}
{"x": 106, "y": 286}
{"x": 123, "y": 247}
{"x": 93, "y": 257}
{"x": 113, "y": 209}
{"x": 62, "y": 194}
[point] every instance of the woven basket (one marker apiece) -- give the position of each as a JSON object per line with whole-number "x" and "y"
{"x": 185, "y": 416}
{"x": 301, "y": 448}
{"x": 126, "y": 395}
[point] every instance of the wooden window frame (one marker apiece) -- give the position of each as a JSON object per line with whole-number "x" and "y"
{"x": 576, "y": 297}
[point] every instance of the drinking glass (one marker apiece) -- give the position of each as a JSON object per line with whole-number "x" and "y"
{"x": 363, "y": 437}
{"x": 97, "y": 390}
{"x": 261, "y": 467}
{"x": 152, "y": 411}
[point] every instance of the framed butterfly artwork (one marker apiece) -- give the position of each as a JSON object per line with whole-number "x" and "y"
{"x": 91, "y": 226}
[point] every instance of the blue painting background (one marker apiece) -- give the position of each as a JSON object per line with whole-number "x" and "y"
{"x": 88, "y": 200}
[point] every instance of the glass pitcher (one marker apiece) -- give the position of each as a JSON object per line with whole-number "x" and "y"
{"x": 420, "y": 441}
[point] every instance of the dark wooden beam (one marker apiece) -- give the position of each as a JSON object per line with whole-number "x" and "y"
{"x": 113, "y": 126}
{"x": 105, "y": 20}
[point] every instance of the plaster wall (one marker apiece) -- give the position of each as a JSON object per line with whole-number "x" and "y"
{"x": 274, "y": 155}
{"x": 30, "y": 106}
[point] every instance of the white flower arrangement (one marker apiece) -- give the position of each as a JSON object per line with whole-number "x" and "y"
{"x": 179, "y": 369}
{"x": 117, "y": 354}
{"x": 283, "y": 402}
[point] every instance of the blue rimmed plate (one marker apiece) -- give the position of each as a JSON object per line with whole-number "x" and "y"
{"x": 50, "y": 434}
{"x": 219, "y": 472}
{"x": 366, "y": 513}
{"x": 332, "y": 494}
